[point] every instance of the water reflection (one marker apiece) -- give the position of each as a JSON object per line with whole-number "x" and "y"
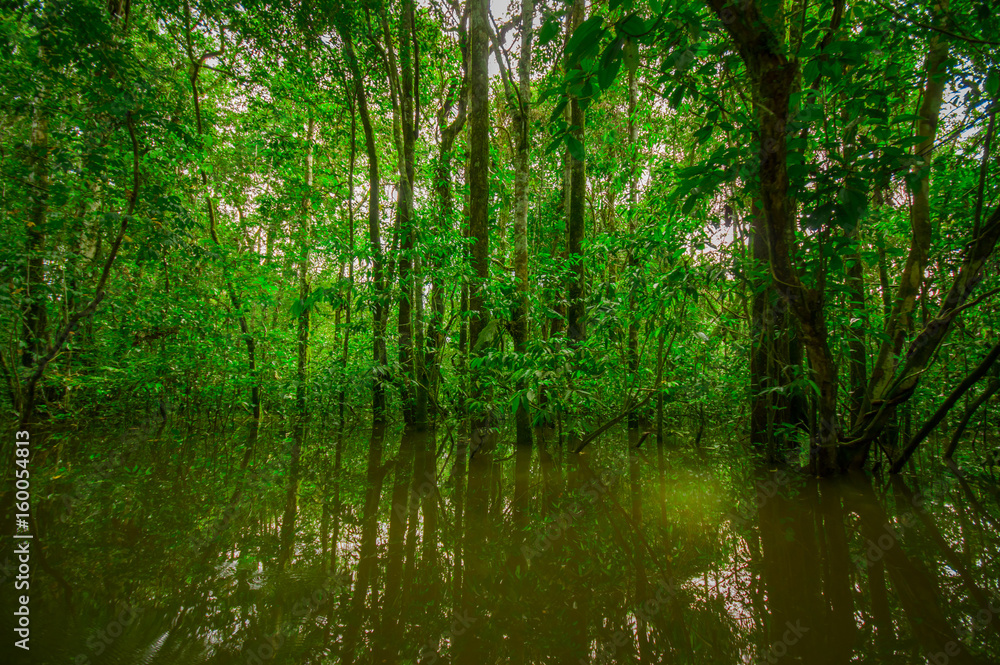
{"x": 301, "y": 547}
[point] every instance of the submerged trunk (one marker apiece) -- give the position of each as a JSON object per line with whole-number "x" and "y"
{"x": 521, "y": 181}
{"x": 633, "y": 255}
{"x": 576, "y": 324}
{"x": 34, "y": 309}
{"x": 900, "y": 318}
{"x": 234, "y": 297}
{"x": 379, "y": 356}
{"x": 408, "y": 359}
{"x": 478, "y": 180}
{"x": 302, "y": 336}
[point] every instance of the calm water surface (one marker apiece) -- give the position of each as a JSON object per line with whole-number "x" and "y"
{"x": 306, "y": 546}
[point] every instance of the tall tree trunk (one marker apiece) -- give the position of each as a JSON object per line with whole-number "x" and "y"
{"x": 350, "y": 254}
{"x": 435, "y": 325}
{"x": 773, "y": 76}
{"x": 197, "y": 62}
{"x": 633, "y": 254}
{"x": 910, "y": 282}
{"x": 379, "y": 355}
{"x": 34, "y": 315}
{"x": 522, "y": 166}
{"x": 576, "y": 323}
{"x": 404, "y": 213}
{"x": 478, "y": 179}
{"x": 302, "y": 346}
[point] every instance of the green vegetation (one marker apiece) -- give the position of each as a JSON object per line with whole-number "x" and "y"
{"x": 763, "y": 219}
{"x": 402, "y": 331}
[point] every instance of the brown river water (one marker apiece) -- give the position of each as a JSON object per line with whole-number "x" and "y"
{"x": 309, "y": 546}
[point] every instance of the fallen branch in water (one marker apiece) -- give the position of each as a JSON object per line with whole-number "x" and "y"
{"x": 614, "y": 421}
{"x": 976, "y": 374}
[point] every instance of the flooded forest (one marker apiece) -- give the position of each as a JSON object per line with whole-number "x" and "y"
{"x": 508, "y": 331}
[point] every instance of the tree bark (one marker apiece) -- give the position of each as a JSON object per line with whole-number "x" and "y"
{"x": 446, "y": 219}
{"x": 350, "y": 252}
{"x": 404, "y": 213}
{"x": 522, "y": 174}
{"x": 773, "y": 76}
{"x": 633, "y": 254}
{"x": 981, "y": 370}
{"x": 910, "y": 282}
{"x": 478, "y": 179}
{"x": 302, "y": 336}
{"x": 576, "y": 324}
{"x": 988, "y": 392}
{"x": 379, "y": 356}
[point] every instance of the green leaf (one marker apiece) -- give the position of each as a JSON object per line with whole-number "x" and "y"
{"x": 575, "y": 147}
{"x": 689, "y": 204}
{"x": 549, "y": 30}
{"x": 610, "y": 65}
{"x": 584, "y": 35}
{"x": 633, "y": 26}
{"x": 557, "y": 111}
{"x": 993, "y": 82}
{"x": 486, "y": 335}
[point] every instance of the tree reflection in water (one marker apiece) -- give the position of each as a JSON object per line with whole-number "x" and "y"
{"x": 397, "y": 548}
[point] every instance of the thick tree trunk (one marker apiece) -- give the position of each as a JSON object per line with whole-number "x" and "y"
{"x": 379, "y": 355}
{"x": 576, "y": 324}
{"x": 900, "y": 319}
{"x": 404, "y": 213}
{"x": 34, "y": 314}
{"x": 633, "y": 254}
{"x": 302, "y": 336}
{"x": 478, "y": 179}
{"x": 521, "y": 189}
{"x": 773, "y": 76}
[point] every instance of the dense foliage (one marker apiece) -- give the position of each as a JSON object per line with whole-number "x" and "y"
{"x": 776, "y": 219}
